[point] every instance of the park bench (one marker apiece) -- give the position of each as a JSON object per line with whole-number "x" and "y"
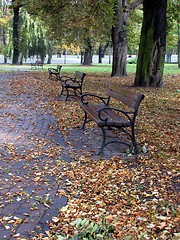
{"x": 54, "y": 72}
{"x": 37, "y": 65}
{"x": 72, "y": 85}
{"x": 97, "y": 108}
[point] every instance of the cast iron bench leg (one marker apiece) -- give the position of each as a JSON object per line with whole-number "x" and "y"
{"x": 85, "y": 121}
{"x": 67, "y": 95}
{"x": 104, "y": 140}
{"x": 134, "y": 141}
{"x": 62, "y": 90}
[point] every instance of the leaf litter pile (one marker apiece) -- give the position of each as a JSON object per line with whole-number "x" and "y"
{"x": 137, "y": 196}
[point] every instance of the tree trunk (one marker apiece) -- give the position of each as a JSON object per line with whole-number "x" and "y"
{"x": 16, "y": 35}
{"x": 150, "y": 64}
{"x": 50, "y": 52}
{"x": 49, "y": 58}
{"x": 100, "y": 54}
{"x": 4, "y": 12}
{"x": 5, "y": 45}
{"x": 82, "y": 57}
{"x": 179, "y": 53}
{"x": 178, "y": 44}
{"x": 88, "y": 53}
{"x": 119, "y": 40}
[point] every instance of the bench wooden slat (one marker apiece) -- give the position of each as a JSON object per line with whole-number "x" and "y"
{"x": 70, "y": 84}
{"x": 125, "y": 96}
{"x": 92, "y": 110}
{"x": 114, "y": 119}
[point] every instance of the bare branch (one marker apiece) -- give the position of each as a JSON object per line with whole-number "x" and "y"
{"x": 135, "y": 4}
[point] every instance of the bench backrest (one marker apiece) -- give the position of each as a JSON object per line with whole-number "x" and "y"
{"x": 59, "y": 68}
{"x": 80, "y": 77}
{"x": 126, "y": 96}
{"x": 39, "y": 63}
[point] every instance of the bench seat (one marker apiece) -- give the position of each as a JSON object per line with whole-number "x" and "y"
{"x": 112, "y": 118}
{"x": 37, "y": 64}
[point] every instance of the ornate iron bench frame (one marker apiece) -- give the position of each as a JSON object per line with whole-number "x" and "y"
{"x": 107, "y": 117}
{"x": 72, "y": 85}
{"x": 37, "y": 65}
{"x": 55, "y": 71}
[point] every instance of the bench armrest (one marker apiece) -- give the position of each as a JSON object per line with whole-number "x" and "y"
{"x": 127, "y": 114}
{"x": 64, "y": 78}
{"x": 71, "y": 81}
{"x": 105, "y": 100}
{"x": 52, "y": 69}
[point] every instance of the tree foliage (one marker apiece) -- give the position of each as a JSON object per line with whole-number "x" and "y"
{"x": 5, "y": 18}
{"x": 32, "y": 38}
{"x": 83, "y": 23}
{"x": 87, "y": 24}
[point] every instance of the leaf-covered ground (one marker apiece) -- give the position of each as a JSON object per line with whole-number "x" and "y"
{"x": 139, "y": 196}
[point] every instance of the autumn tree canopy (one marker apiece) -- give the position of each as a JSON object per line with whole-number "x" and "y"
{"x": 90, "y": 24}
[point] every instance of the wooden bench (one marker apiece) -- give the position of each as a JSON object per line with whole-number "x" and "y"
{"x": 72, "y": 85}
{"x": 37, "y": 65}
{"x": 107, "y": 117}
{"x": 55, "y": 72}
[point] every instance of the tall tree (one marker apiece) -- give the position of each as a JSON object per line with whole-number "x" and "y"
{"x": 16, "y": 7}
{"x": 101, "y": 50}
{"x": 178, "y": 44}
{"x": 88, "y": 52}
{"x": 173, "y": 21}
{"x": 4, "y": 20}
{"x": 119, "y": 39}
{"x": 152, "y": 47}
{"x": 86, "y": 23}
{"x": 120, "y": 36}
{"x": 83, "y": 23}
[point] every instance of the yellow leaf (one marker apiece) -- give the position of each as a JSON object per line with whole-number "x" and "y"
{"x": 55, "y": 219}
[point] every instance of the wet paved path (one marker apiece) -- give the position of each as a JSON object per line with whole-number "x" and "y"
{"x": 30, "y": 151}
{"x": 32, "y": 157}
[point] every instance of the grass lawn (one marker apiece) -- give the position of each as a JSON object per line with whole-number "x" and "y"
{"x": 96, "y": 69}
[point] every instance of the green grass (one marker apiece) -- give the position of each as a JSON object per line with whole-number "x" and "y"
{"x": 98, "y": 69}
{"x": 170, "y": 69}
